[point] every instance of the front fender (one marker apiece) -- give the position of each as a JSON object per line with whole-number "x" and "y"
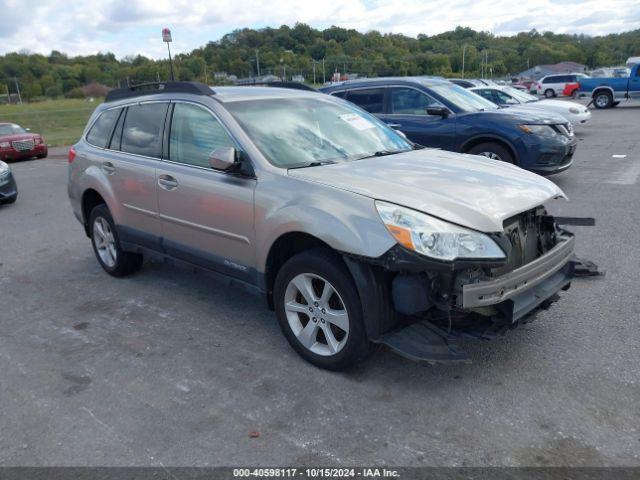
{"x": 346, "y": 221}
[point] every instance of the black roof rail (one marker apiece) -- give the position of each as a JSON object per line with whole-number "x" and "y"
{"x": 292, "y": 85}
{"x": 151, "y": 88}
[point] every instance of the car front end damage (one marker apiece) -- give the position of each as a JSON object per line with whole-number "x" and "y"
{"x": 430, "y": 303}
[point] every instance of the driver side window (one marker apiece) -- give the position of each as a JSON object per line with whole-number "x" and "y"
{"x": 195, "y": 133}
{"x": 408, "y": 101}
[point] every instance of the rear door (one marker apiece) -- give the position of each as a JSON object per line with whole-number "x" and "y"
{"x": 129, "y": 162}
{"x": 206, "y": 215}
{"x": 407, "y": 112}
{"x": 634, "y": 83}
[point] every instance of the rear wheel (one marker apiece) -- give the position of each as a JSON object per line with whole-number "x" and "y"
{"x": 492, "y": 150}
{"x": 549, "y": 93}
{"x": 575, "y": 93}
{"x": 106, "y": 245}
{"x": 603, "y": 99}
{"x": 319, "y": 310}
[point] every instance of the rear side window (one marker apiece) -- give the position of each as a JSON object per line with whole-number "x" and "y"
{"x": 142, "y": 130}
{"x": 371, "y": 99}
{"x": 100, "y": 132}
{"x": 195, "y": 133}
{"x": 407, "y": 101}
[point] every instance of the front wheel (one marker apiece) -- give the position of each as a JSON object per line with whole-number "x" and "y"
{"x": 549, "y": 93}
{"x": 319, "y": 310}
{"x": 492, "y": 150}
{"x": 106, "y": 245}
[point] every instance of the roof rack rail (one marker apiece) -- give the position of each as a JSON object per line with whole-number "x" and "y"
{"x": 279, "y": 84}
{"x": 158, "y": 87}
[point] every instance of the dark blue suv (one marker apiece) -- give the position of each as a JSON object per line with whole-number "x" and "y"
{"x": 437, "y": 113}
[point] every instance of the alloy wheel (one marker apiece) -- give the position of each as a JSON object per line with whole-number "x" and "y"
{"x": 105, "y": 242}
{"x": 491, "y": 155}
{"x": 316, "y": 314}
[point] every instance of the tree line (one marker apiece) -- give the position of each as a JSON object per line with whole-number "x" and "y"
{"x": 303, "y": 50}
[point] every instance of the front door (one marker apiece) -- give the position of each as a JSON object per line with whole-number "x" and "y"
{"x": 408, "y": 113}
{"x": 206, "y": 215}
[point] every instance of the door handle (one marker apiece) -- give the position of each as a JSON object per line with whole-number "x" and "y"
{"x": 108, "y": 168}
{"x": 167, "y": 182}
{"x": 394, "y": 125}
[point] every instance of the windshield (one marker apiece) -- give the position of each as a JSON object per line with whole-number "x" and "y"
{"x": 462, "y": 98}
{"x": 11, "y": 129}
{"x": 296, "y": 132}
{"x": 520, "y": 95}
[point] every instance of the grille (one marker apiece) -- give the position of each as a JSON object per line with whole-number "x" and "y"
{"x": 23, "y": 144}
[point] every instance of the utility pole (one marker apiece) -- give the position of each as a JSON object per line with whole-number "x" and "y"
{"x": 324, "y": 79}
{"x": 313, "y": 62}
{"x": 166, "y": 37}
{"x": 464, "y": 47}
{"x": 257, "y": 63}
{"x": 15, "y": 79}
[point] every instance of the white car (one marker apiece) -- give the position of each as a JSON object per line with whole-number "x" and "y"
{"x": 506, "y": 96}
{"x": 553, "y": 85}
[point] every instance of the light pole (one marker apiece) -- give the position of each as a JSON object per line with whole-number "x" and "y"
{"x": 257, "y": 63}
{"x": 464, "y": 47}
{"x": 166, "y": 37}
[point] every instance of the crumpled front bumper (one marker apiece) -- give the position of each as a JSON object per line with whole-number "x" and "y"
{"x": 522, "y": 290}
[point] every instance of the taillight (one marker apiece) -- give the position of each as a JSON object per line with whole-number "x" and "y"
{"x": 72, "y": 154}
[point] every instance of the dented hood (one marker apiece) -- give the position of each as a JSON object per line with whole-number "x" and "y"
{"x": 468, "y": 190}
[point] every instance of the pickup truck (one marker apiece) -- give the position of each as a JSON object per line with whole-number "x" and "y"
{"x": 610, "y": 91}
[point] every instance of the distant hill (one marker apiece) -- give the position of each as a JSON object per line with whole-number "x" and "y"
{"x": 298, "y": 49}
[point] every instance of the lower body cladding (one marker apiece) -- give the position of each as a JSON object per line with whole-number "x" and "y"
{"x": 425, "y": 306}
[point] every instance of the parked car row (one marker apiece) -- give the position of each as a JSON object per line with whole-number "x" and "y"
{"x": 354, "y": 234}
{"x": 437, "y": 113}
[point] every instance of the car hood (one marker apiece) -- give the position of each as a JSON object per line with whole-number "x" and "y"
{"x": 468, "y": 190}
{"x": 531, "y": 116}
{"x": 18, "y": 136}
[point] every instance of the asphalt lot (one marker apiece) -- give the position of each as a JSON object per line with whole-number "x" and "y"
{"x": 171, "y": 368}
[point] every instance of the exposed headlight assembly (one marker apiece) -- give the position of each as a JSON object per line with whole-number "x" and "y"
{"x": 542, "y": 130}
{"x": 435, "y": 238}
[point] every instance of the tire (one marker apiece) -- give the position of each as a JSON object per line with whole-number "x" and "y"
{"x": 9, "y": 201}
{"x": 549, "y": 93}
{"x": 42, "y": 155}
{"x": 494, "y": 151}
{"x": 303, "y": 322}
{"x": 106, "y": 245}
{"x": 603, "y": 99}
{"x": 575, "y": 93}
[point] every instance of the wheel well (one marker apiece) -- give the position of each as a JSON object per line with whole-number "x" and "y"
{"x": 478, "y": 141}
{"x": 285, "y": 247}
{"x": 601, "y": 89}
{"x": 90, "y": 199}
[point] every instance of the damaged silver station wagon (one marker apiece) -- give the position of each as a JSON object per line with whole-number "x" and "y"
{"x": 353, "y": 234}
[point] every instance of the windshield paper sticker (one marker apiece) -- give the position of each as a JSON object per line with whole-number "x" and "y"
{"x": 356, "y": 121}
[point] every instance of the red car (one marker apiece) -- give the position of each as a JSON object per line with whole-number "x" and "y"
{"x": 17, "y": 143}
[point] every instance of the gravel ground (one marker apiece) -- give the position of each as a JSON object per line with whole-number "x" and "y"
{"x": 169, "y": 367}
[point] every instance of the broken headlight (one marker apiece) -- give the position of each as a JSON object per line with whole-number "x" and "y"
{"x": 435, "y": 238}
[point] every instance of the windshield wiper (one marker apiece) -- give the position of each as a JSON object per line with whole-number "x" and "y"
{"x": 312, "y": 164}
{"x": 380, "y": 153}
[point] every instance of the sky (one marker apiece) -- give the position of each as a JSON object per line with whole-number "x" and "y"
{"x": 131, "y": 27}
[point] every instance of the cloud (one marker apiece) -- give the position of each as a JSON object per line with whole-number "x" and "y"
{"x": 131, "y": 27}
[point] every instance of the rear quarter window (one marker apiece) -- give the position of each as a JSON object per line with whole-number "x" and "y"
{"x": 100, "y": 132}
{"x": 142, "y": 129}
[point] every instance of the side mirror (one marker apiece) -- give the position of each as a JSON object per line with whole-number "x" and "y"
{"x": 440, "y": 111}
{"x": 223, "y": 158}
